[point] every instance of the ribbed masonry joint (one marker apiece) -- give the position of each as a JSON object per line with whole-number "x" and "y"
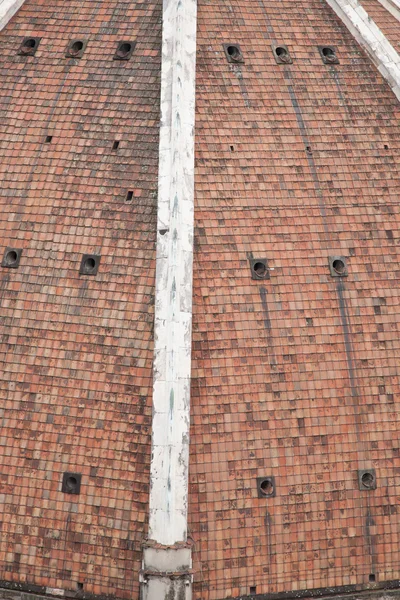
{"x": 166, "y": 573}
{"x": 157, "y": 587}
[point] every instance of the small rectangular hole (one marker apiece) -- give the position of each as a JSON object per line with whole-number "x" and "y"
{"x": 372, "y": 577}
{"x": 48, "y": 139}
{"x": 253, "y": 590}
{"x": 129, "y": 196}
{"x": 115, "y": 145}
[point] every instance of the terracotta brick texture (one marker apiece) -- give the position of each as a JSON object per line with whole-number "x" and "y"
{"x": 76, "y": 350}
{"x": 296, "y": 376}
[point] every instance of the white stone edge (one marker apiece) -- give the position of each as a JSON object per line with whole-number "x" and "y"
{"x": 8, "y": 8}
{"x": 174, "y": 277}
{"x": 371, "y": 38}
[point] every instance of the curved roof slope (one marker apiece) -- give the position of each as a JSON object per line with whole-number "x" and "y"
{"x": 76, "y": 349}
{"x": 295, "y": 377}
{"x": 385, "y": 20}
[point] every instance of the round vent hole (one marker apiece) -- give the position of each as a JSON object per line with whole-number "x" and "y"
{"x": 28, "y": 45}
{"x": 233, "y": 52}
{"x": 367, "y": 480}
{"x": 124, "y": 49}
{"x": 281, "y": 51}
{"x": 89, "y": 264}
{"x": 339, "y": 266}
{"x": 11, "y": 257}
{"x": 76, "y": 47}
{"x": 71, "y": 484}
{"x": 260, "y": 269}
{"x": 267, "y": 487}
{"x": 328, "y": 52}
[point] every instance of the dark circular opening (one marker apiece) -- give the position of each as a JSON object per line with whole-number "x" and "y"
{"x": 71, "y": 483}
{"x": 267, "y": 487}
{"x": 328, "y": 52}
{"x": 76, "y": 47}
{"x": 28, "y": 45}
{"x": 233, "y": 52}
{"x": 89, "y": 264}
{"x": 260, "y": 269}
{"x": 367, "y": 480}
{"x": 11, "y": 257}
{"x": 281, "y": 51}
{"x": 339, "y": 266}
{"x": 124, "y": 49}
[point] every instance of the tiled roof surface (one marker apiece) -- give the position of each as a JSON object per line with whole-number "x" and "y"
{"x": 295, "y": 376}
{"x": 76, "y": 350}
